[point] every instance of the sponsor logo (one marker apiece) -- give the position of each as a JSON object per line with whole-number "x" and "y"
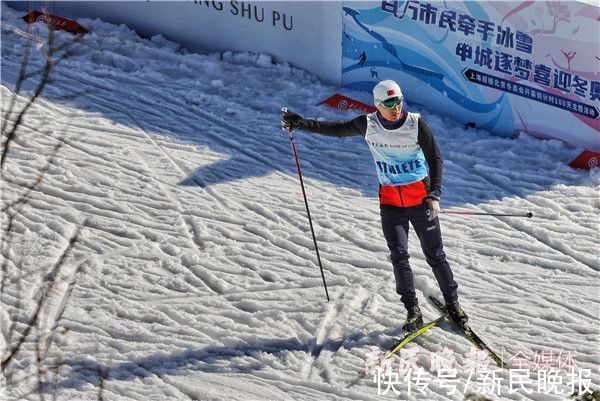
{"x": 388, "y": 145}
{"x": 56, "y": 22}
{"x": 593, "y": 162}
{"x": 342, "y": 105}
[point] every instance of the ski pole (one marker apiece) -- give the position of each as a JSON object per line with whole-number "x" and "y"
{"x": 306, "y": 204}
{"x": 528, "y": 214}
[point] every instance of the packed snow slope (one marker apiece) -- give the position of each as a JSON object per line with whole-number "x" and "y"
{"x": 195, "y": 275}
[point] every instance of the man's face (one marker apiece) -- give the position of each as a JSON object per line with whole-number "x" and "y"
{"x": 391, "y": 109}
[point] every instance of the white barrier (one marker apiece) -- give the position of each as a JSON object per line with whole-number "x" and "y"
{"x": 307, "y": 34}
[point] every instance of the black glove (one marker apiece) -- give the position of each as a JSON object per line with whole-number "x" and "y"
{"x": 290, "y": 120}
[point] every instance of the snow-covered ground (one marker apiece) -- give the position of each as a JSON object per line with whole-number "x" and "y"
{"x": 197, "y": 276}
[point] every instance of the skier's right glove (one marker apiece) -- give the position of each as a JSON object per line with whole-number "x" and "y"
{"x": 290, "y": 120}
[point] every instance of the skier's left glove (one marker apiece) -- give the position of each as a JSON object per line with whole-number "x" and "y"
{"x": 432, "y": 208}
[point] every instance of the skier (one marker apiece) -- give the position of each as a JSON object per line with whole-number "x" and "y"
{"x": 409, "y": 169}
{"x": 362, "y": 58}
{"x": 374, "y": 73}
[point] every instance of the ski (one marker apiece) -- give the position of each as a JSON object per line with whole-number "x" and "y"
{"x": 470, "y": 334}
{"x": 408, "y": 337}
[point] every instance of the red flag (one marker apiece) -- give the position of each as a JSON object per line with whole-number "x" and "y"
{"x": 56, "y": 22}
{"x": 586, "y": 160}
{"x": 342, "y": 102}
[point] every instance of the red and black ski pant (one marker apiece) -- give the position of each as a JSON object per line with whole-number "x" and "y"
{"x": 394, "y": 221}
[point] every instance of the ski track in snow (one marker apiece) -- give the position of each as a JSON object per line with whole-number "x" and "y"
{"x": 195, "y": 275}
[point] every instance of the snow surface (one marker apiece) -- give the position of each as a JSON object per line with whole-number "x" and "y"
{"x": 195, "y": 275}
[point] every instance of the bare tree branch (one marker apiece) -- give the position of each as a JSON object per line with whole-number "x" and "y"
{"x": 21, "y": 77}
{"x": 10, "y": 134}
{"x": 14, "y": 131}
{"x": 51, "y": 278}
{"x": 58, "y": 59}
{"x": 24, "y": 199}
{"x": 56, "y": 372}
{"x": 102, "y": 380}
{"x": 39, "y": 362}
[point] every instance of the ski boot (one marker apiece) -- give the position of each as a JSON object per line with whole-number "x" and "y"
{"x": 414, "y": 319}
{"x": 458, "y": 315}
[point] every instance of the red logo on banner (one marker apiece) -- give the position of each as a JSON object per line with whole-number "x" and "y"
{"x": 342, "y": 102}
{"x": 54, "y": 21}
{"x": 586, "y": 160}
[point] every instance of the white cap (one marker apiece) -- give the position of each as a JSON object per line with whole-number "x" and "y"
{"x": 385, "y": 90}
